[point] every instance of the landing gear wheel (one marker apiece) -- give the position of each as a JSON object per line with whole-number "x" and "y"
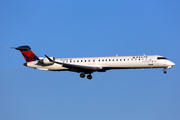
{"x": 89, "y": 77}
{"x": 82, "y": 75}
{"x": 165, "y": 72}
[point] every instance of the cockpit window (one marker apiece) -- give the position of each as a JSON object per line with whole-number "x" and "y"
{"x": 160, "y": 58}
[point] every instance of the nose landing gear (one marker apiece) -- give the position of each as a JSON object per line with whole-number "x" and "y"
{"x": 164, "y": 70}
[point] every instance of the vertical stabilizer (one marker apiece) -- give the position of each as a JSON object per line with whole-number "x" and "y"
{"x": 27, "y": 53}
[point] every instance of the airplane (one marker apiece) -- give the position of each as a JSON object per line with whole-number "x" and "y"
{"x": 88, "y": 65}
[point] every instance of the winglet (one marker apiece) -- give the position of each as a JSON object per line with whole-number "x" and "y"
{"x": 49, "y": 59}
{"x": 53, "y": 60}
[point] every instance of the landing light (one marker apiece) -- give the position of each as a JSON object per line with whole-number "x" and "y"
{"x": 170, "y": 66}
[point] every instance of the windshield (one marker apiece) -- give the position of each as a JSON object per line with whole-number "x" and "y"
{"x": 160, "y": 58}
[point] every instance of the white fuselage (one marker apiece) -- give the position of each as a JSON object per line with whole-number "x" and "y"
{"x": 107, "y": 63}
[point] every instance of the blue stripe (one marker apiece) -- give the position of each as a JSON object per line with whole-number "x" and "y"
{"x": 26, "y": 57}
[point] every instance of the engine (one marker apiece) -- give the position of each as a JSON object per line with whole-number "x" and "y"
{"x": 46, "y": 61}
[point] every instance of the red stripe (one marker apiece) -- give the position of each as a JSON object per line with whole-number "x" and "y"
{"x": 29, "y": 54}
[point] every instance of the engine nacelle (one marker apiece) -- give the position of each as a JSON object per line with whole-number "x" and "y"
{"x": 46, "y": 61}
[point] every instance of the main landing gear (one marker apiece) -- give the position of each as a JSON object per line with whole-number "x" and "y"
{"x": 89, "y": 77}
{"x": 82, "y": 75}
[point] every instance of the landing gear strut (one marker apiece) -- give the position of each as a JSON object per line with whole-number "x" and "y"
{"x": 164, "y": 70}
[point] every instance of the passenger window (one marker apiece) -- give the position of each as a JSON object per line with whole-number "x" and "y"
{"x": 106, "y": 60}
{"x": 124, "y": 59}
{"x": 84, "y": 60}
{"x": 81, "y": 60}
{"x": 88, "y": 60}
{"x": 99, "y": 60}
{"x": 116, "y": 59}
{"x": 77, "y": 60}
{"x": 93, "y": 60}
{"x": 109, "y": 59}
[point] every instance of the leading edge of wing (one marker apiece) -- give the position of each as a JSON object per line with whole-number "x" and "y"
{"x": 73, "y": 66}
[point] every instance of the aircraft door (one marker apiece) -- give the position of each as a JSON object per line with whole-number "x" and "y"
{"x": 150, "y": 62}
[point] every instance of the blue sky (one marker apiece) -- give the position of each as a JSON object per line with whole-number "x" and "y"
{"x": 69, "y": 28}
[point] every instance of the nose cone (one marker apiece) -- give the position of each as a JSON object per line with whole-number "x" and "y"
{"x": 170, "y": 64}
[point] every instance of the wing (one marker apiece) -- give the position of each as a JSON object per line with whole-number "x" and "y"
{"x": 76, "y": 68}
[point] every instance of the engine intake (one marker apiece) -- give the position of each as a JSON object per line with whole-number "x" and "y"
{"x": 46, "y": 61}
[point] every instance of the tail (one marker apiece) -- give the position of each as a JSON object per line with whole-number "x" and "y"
{"x": 27, "y": 53}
